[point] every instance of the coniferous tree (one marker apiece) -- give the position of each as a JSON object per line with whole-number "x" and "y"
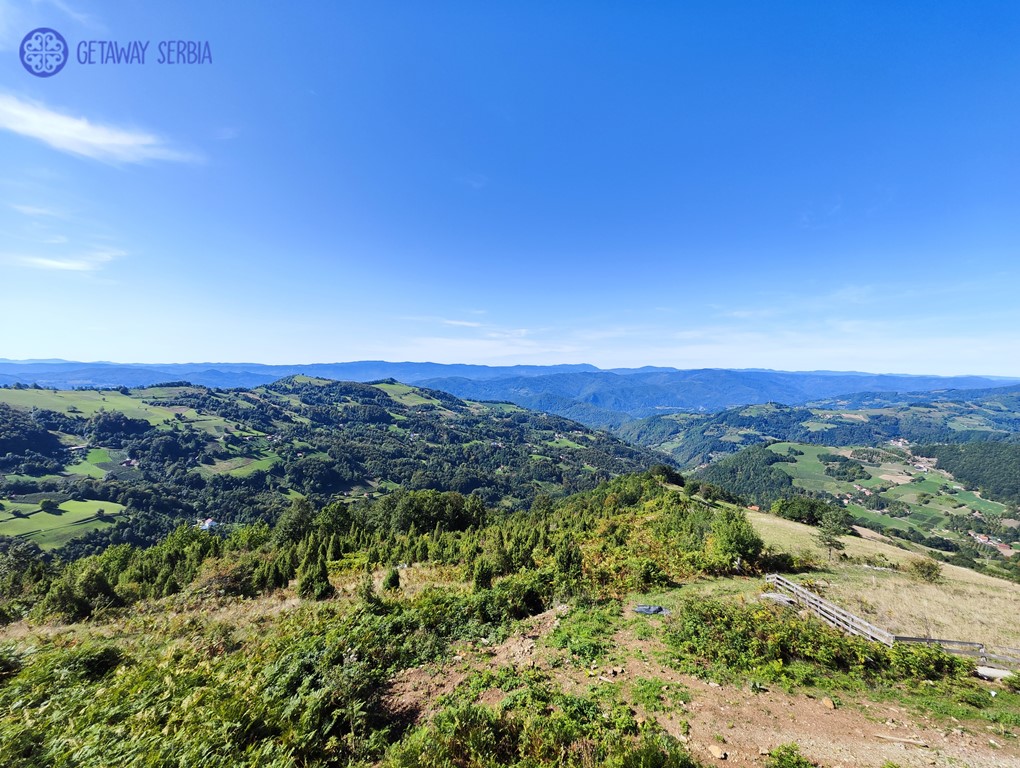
{"x": 833, "y": 525}
{"x": 313, "y": 579}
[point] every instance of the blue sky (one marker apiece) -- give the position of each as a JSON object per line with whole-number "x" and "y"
{"x": 789, "y": 185}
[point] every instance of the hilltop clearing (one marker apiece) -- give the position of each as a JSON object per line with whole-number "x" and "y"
{"x": 513, "y": 643}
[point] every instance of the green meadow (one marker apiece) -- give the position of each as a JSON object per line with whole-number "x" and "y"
{"x": 53, "y": 529}
{"x": 930, "y": 497}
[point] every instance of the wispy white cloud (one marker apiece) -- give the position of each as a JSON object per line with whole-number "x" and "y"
{"x": 12, "y": 24}
{"x": 79, "y": 136}
{"x": 443, "y": 321}
{"x": 89, "y": 261}
{"x": 18, "y": 17}
{"x": 34, "y": 210}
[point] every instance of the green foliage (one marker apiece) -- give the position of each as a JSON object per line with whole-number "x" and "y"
{"x": 309, "y": 693}
{"x": 392, "y": 580}
{"x": 482, "y": 574}
{"x": 733, "y": 537}
{"x": 295, "y": 523}
{"x": 833, "y": 525}
{"x": 787, "y": 756}
{"x": 578, "y": 734}
{"x": 802, "y": 509}
{"x": 658, "y": 695}
{"x": 586, "y": 632}
{"x": 990, "y": 466}
{"x": 777, "y": 645}
{"x": 313, "y": 579}
{"x": 751, "y": 474}
{"x": 926, "y": 569}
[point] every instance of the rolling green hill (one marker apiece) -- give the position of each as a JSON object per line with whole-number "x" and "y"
{"x": 890, "y": 489}
{"x": 178, "y": 451}
{"x": 693, "y": 439}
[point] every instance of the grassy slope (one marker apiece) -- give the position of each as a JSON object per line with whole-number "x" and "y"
{"x": 967, "y": 606}
{"x": 49, "y": 530}
{"x": 947, "y": 495}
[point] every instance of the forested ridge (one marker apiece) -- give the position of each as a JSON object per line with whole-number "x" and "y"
{"x": 694, "y": 439}
{"x": 177, "y": 452}
{"x": 994, "y": 468}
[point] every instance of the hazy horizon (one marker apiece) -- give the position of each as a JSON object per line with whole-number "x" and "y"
{"x": 603, "y": 369}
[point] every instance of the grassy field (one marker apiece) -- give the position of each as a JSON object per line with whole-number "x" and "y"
{"x": 50, "y": 530}
{"x": 88, "y": 403}
{"x": 85, "y": 403}
{"x": 406, "y": 395}
{"x": 241, "y": 466}
{"x": 967, "y": 606}
{"x": 931, "y": 495}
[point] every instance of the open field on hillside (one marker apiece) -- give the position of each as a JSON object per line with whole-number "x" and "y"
{"x": 406, "y": 395}
{"x": 918, "y": 496}
{"x": 85, "y": 403}
{"x": 966, "y": 606}
{"x": 51, "y": 530}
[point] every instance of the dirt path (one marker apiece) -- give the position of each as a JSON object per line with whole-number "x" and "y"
{"x": 741, "y": 723}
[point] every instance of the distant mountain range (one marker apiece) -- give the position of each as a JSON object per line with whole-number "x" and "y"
{"x": 66, "y": 374}
{"x": 599, "y": 398}
{"x": 609, "y": 399}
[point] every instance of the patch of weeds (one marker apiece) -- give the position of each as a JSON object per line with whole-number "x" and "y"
{"x": 586, "y": 633}
{"x": 716, "y": 638}
{"x": 642, "y": 630}
{"x": 963, "y": 700}
{"x": 649, "y": 694}
{"x": 787, "y": 756}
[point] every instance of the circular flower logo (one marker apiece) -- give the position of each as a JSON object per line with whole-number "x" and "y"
{"x": 44, "y": 52}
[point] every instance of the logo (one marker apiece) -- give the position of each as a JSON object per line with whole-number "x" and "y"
{"x": 44, "y": 52}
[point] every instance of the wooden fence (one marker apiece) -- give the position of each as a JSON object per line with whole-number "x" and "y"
{"x": 832, "y": 614}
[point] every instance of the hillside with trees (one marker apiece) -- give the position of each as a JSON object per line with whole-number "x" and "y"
{"x": 694, "y": 439}
{"x": 426, "y": 628}
{"x": 178, "y": 452}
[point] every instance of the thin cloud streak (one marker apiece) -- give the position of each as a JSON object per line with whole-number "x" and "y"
{"x": 88, "y": 262}
{"x": 78, "y": 136}
{"x": 32, "y": 210}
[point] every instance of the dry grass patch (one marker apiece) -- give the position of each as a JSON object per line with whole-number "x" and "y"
{"x": 789, "y": 536}
{"x": 966, "y": 605}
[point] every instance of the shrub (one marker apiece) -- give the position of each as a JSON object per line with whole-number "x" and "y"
{"x": 787, "y": 756}
{"x": 776, "y": 644}
{"x": 483, "y": 574}
{"x": 392, "y": 580}
{"x": 926, "y": 569}
{"x": 313, "y": 579}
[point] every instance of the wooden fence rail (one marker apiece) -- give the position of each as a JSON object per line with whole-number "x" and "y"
{"x": 842, "y": 619}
